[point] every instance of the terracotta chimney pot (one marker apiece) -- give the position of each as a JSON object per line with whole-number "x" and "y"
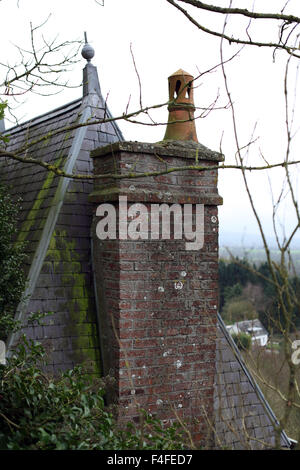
{"x": 181, "y": 124}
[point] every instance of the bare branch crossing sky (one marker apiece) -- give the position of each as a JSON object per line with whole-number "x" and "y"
{"x": 162, "y": 40}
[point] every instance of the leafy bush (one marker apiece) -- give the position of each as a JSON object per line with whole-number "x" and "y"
{"x": 242, "y": 340}
{"x": 12, "y": 279}
{"x": 3, "y": 106}
{"x": 38, "y": 412}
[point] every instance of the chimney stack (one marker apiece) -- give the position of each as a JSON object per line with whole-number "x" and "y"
{"x": 157, "y": 300}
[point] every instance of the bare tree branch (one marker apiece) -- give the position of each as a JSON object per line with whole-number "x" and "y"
{"x": 244, "y": 12}
{"x": 290, "y": 49}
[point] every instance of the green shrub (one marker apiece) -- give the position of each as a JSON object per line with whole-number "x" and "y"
{"x": 3, "y": 106}
{"x": 242, "y": 340}
{"x": 12, "y": 256}
{"x": 38, "y": 412}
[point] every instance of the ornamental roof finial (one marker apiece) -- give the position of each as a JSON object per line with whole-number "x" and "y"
{"x": 87, "y": 50}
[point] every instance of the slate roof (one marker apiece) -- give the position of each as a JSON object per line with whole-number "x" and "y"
{"x": 243, "y": 418}
{"x": 56, "y": 220}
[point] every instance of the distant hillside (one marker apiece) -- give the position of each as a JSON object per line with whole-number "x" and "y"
{"x": 251, "y": 247}
{"x": 249, "y": 240}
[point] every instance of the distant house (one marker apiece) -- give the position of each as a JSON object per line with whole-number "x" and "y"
{"x": 254, "y": 328}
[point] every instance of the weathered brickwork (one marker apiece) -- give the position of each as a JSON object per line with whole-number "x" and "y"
{"x": 159, "y": 340}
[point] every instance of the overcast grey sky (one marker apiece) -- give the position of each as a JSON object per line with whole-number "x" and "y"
{"x": 163, "y": 41}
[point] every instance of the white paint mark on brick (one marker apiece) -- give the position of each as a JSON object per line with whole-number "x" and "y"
{"x": 178, "y": 364}
{"x": 178, "y": 285}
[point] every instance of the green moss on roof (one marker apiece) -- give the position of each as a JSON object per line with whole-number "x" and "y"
{"x": 37, "y": 211}
{"x": 82, "y": 318}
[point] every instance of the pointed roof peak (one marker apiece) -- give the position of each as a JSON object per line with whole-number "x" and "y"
{"x": 91, "y": 85}
{"x": 180, "y": 72}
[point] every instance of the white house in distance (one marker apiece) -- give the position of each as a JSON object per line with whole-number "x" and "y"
{"x": 254, "y": 328}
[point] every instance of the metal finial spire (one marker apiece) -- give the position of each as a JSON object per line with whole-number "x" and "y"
{"x": 87, "y": 50}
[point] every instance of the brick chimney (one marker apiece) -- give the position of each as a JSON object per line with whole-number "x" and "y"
{"x": 157, "y": 295}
